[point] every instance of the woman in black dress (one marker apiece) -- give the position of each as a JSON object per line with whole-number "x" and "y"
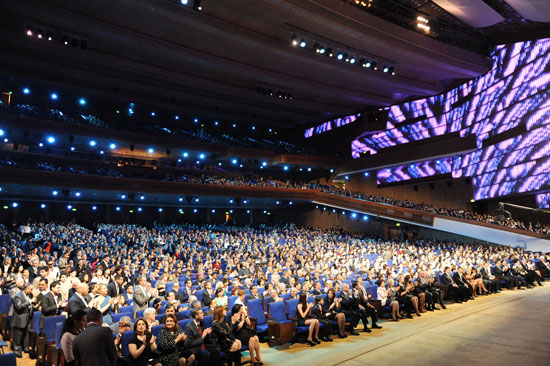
{"x": 244, "y": 332}
{"x": 170, "y": 342}
{"x": 142, "y": 346}
{"x": 332, "y": 306}
{"x": 223, "y": 332}
{"x": 305, "y": 318}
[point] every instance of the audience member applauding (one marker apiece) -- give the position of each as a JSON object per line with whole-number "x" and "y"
{"x": 225, "y": 336}
{"x": 72, "y": 326}
{"x": 305, "y": 318}
{"x": 170, "y": 344}
{"x": 142, "y": 345}
{"x": 245, "y": 333}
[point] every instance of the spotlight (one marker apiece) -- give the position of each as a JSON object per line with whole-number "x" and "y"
{"x": 247, "y": 211}
{"x": 386, "y": 69}
{"x": 213, "y": 211}
{"x": 365, "y": 218}
{"x": 72, "y": 148}
{"x": 94, "y": 208}
{"x": 26, "y": 91}
{"x": 112, "y": 146}
{"x": 197, "y": 200}
{"x": 54, "y": 96}
{"x": 176, "y": 117}
{"x": 123, "y": 196}
{"x": 50, "y": 36}
{"x": 139, "y": 209}
{"x": 92, "y": 143}
{"x": 317, "y": 47}
{"x": 40, "y": 144}
{"x": 55, "y": 193}
{"x": 196, "y": 120}
{"x": 373, "y": 65}
{"x": 102, "y": 152}
{"x": 142, "y": 197}
{"x": 69, "y": 207}
{"x": 234, "y": 161}
{"x": 309, "y": 169}
{"x": 117, "y": 208}
{"x": 195, "y": 210}
{"x": 340, "y": 56}
{"x": 153, "y": 114}
{"x": 184, "y": 2}
{"x": 303, "y": 43}
{"x": 51, "y": 140}
{"x": 65, "y": 40}
{"x": 43, "y": 205}
{"x": 160, "y": 209}
{"x": 329, "y": 52}
{"x": 285, "y": 168}
{"x": 234, "y": 125}
{"x": 82, "y": 101}
{"x": 77, "y": 194}
{"x": 1, "y": 132}
{"x": 202, "y": 156}
{"x": 150, "y": 150}
{"x": 29, "y": 32}
{"x": 185, "y": 154}
{"x": 391, "y": 70}
{"x": 322, "y": 50}
{"x": 354, "y": 215}
{"x": 294, "y": 40}
{"x": 352, "y": 60}
{"x": 264, "y": 163}
{"x": 366, "y": 174}
{"x": 14, "y": 204}
{"x": 197, "y": 5}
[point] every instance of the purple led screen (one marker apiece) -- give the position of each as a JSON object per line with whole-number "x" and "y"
{"x": 414, "y": 171}
{"x": 543, "y": 200}
{"x": 514, "y": 93}
{"x": 327, "y": 126}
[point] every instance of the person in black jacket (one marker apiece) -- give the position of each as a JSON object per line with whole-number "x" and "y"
{"x": 460, "y": 292}
{"x": 198, "y": 339}
{"x": 458, "y": 277}
{"x": 348, "y": 305}
{"x": 95, "y": 345}
{"x": 52, "y": 303}
{"x": 323, "y": 317}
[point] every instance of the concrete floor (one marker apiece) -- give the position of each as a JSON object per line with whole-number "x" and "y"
{"x": 511, "y": 328}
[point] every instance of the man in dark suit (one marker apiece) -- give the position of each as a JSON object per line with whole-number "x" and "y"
{"x": 489, "y": 280}
{"x": 95, "y": 345}
{"x": 501, "y": 271}
{"x": 253, "y": 293}
{"x": 363, "y": 307}
{"x": 207, "y": 295}
{"x": 52, "y": 303}
{"x": 348, "y": 304}
{"x": 197, "y": 339}
{"x": 21, "y": 319}
{"x": 78, "y": 300}
{"x": 187, "y": 291}
{"x": 115, "y": 288}
{"x": 458, "y": 277}
{"x": 460, "y": 292}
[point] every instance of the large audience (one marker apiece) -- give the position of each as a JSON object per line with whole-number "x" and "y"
{"x": 92, "y": 274}
{"x": 220, "y": 178}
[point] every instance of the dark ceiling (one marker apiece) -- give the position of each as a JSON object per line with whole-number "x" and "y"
{"x": 211, "y": 63}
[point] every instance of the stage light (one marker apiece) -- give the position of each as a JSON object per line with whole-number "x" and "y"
{"x": 346, "y": 177}
{"x": 55, "y": 193}
{"x": 322, "y": 50}
{"x": 69, "y": 207}
{"x": 277, "y": 202}
{"x": 123, "y": 196}
{"x": 354, "y": 215}
{"x": 54, "y": 96}
{"x": 230, "y": 211}
{"x": 43, "y": 205}
{"x": 139, "y": 209}
{"x": 234, "y": 161}
{"x": 343, "y": 212}
{"x": 392, "y": 70}
{"x": 365, "y": 218}
{"x": 150, "y": 150}
{"x": 112, "y": 146}
{"x": 51, "y": 140}
{"x": 366, "y": 174}
{"x": 176, "y": 117}
{"x": 142, "y": 197}
{"x": 294, "y": 40}
{"x": 329, "y": 52}
{"x": 117, "y": 208}
{"x": 160, "y": 209}
{"x": 213, "y": 211}
{"x": 352, "y": 60}
{"x": 290, "y": 203}
{"x": 317, "y": 47}
{"x": 386, "y": 69}
{"x": 253, "y": 127}
{"x": 14, "y": 204}
{"x": 40, "y": 144}
{"x": 245, "y": 201}
{"x": 472, "y": 200}
{"x": 195, "y": 210}
{"x": 216, "y": 123}
{"x": 197, "y": 200}
{"x": 303, "y": 43}
{"x": 153, "y": 114}
{"x": 6, "y": 139}
{"x": 332, "y": 170}
{"x": 102, "y": 152}
{"x": 234, "y": 125}
{"x": 184, "y": 2}
{"x": 94, "y": 208}
{"x": 78, "y": 194}
{"x": 2, "y": 132}
{"x": 202, "y": 156}
{"x": 72, "y": 148}
{"x": 309, "y": 169}
{"x": 92, "y": 143}
{"x": 82, "y": 101}
{"x": 29, "y": 32}
{"x": 26, "y": 91}
{"x": 231, "y": 201}
{"x": 285, "y": 168}
{"x": 340, "y": 56}
{"x": 247, "y": 211}
{"x": 398, "y": 224}
{"x": 50, "y": 36}
{"x": 185, "y": 154}
{"x": 264, "y": 163}
{"x": 196, "y": 120}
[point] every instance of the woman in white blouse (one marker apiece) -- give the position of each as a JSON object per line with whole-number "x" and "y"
{"x": 388, "y": 297}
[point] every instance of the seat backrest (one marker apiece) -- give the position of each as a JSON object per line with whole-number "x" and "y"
{"x": 183, "y": 323}
{"x": 256, "y": 310}
{"x": 126, "y": 309}
{"x": 116, "y": 317}
{"x": 139, "y": 314}
{"x": 49, "y": 326}
{"x": 126, "y": 336}
{"x": 198, "y": 294}
{"x": 208, "y": 321}
{"x": 231, "y": 301}
{"x": 266, "y": 303}
{"x": 291, "y": 306}
{"x": 36, "y": 321}
{"x": 58, "y": 330}
{"x": 8, "y": 359}
{"x": 185, "y": 313}
{"x": 5, "y": 301}
{"x": 156, "y": 330}
{"x": 277, "y": 311}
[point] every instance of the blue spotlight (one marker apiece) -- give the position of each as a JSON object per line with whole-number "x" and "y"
{"x": 51, "y": 140}
{"x": 26, "y": 91}
{"x": 354, "y": 215}
{"x": 234, "y": 125}
{"x": 102, "y": 152}
{"x": 2, "y": 132}
{"x": 92, "y": 143}
{"x": 77, "y": 194}
{"x": 184, "y": 2}
{"x": 285, "y": 168}
{"x": 309, "y": 169}
{"x": 216, "y": 123}
{"x": 160, "y": 209}
{"x": 43, "y": 205}
{"x": 264, "y": 163}
{"x": 41, "y": 144}
{"x": 365, "y": 218}
{"x": 142, "y": 197}
{"x": 14, "y": 204}
{"x": 213, "y": 211}
{"x": 153, "y": 114}
{"x": 117, "y": 208}
{"x": 247, "y": 211}
{"x": 303, "y": 43}
{"x": 202, "y": 156}
{"x": 180, "y": 199}
{"x": 340, "y": 56}
{"x": 346, "y": 177}
{"x": 366, "y": 174}
{"x": 176, "y": 117}
{"x": 196, "y": 120}
{"x": 195, "y": 210}
{"x": 139, "y": 209}
{"x": 54, "y": 96}
{"x": 197, "y": 200}
{"x": 72, "y": 148}
{"x": 112, "y": 146}
{"x": 123, "y": 196}
{"x": 69, "y": 207}
{"x": 82, "y": 101}
{"x": 185, "y": 154}
{"x": 234, "y": 161}
{"x": 150, "y": 150}
{"x": 94, "y": 208}
{"x": 55, "y": 193}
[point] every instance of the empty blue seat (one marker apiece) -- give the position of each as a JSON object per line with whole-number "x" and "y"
{"x": 139, "y": 314}
{"x": 8, "y": 359}
{"x": 126, "y": 336}
{"x": 49, "y": 326}
{"x": 256, "y": 311}
{"x": 5, "y": 303}
{"x": 125, "y": 309}
{"x": 116, "y": 317}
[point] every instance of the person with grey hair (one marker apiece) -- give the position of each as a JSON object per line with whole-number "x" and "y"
{"x": 123, "y": 325}
{"x": 150, "y": 317}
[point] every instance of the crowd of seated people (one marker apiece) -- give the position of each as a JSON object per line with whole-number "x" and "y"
{"x": 200, "y": 134}
{"x": 159, "y": 271}
{"x": 259, "y": 181}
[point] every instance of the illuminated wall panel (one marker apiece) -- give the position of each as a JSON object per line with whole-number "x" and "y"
{"x": 543, "y": 200}
{"x": 515, "y": 92}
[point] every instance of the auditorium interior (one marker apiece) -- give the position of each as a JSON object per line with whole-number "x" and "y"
{"x": 222, "y": 165}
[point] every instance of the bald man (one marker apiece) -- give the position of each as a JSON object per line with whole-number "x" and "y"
{"x": 78, "y": 300}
